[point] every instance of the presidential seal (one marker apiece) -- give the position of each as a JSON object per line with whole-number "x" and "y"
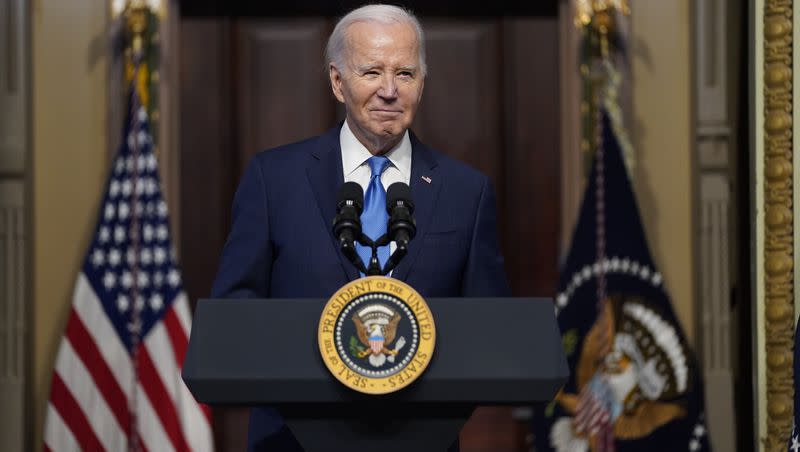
{"x": 376, "y": 335}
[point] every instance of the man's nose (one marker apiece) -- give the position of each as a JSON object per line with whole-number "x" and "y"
{"x": 388, "y": 89}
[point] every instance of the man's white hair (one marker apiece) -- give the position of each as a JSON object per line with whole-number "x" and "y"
{"x": 337, "y": 49}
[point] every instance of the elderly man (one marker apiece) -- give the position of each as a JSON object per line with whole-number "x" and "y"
{"x": 281, "y": 244}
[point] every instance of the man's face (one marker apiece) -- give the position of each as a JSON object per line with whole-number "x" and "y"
{"x": 381, "y": 85}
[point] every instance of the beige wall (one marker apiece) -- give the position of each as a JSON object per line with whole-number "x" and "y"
{"x": 69, "y": 164}
{"x": 661, "y": 135}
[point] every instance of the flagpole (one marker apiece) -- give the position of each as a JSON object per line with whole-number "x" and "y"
{"x": 597, "y": 19}
{"x": 136, "y": 325}
{"x": 137, "y": 23}
{"x": 607, "y": 435}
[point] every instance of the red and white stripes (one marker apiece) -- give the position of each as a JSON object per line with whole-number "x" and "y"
{"x": 89, "y": 403}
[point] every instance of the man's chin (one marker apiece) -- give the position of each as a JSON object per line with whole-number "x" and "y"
{"x": 391, "y": 130}
{"x": 383, "y": 133}
{"x": 390, "y": 133}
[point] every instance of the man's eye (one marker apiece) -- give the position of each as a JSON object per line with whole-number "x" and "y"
{"x": 406, "y": 74}
{"x": 371, "y": 73}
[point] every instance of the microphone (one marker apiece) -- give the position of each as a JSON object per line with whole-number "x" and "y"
{"x": 402, "y": 227}
{"x": 347, "y": 223}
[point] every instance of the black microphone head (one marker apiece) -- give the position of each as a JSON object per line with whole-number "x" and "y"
{"x": 399, "y": 194}
{"x": 351, "y": 192}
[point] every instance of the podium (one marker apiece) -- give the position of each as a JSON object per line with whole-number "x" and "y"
{"x": 489, "y": 351}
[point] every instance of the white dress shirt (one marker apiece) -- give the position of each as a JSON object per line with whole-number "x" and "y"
{"x": 356, "y": 168}
{"x": 355, "y": 156}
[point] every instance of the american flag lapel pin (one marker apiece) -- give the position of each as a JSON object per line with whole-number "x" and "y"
{"x": 426, "y": 179}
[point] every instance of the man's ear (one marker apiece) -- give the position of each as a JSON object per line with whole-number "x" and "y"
{"x": 336, "y": 82}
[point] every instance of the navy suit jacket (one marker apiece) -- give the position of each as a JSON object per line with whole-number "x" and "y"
{"x": 281, "y": 243}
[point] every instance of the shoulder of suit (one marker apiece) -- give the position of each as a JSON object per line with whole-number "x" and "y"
{"x": 290, "y": 153}
{"x": 286, "y": 151}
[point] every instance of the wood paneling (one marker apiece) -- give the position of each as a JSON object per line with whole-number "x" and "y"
{"x": 447, "y": 8}
{"x": 460, "y": 104}
{"x": 282, "y": 86}
{"x": 207, "y": 142}
{"x": 532, "y": 184}
{"x": 206, "y": 164}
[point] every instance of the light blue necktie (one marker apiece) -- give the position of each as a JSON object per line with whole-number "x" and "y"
{"x": 375, "y": 217}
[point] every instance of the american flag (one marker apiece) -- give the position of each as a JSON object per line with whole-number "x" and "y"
{"x": 117, "y": 380}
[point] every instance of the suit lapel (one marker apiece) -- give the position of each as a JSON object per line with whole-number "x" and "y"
{"x": 425, "y": 186}
{"x": 325, "y": 175}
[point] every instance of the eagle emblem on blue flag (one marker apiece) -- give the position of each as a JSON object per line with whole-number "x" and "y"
{"x": 634, "y": 383}
{"x": 627, "y": 387}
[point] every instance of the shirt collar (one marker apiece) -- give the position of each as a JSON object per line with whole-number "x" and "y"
{"x": 354, "y": 154}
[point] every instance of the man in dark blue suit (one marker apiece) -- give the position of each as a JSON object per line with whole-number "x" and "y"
{"x": 281, "y": 244}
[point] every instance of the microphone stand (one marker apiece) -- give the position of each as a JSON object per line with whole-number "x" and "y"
{"x": 349, "y": 250}
{"x": 374, "y": 267}
{"x": 394, "y": 259}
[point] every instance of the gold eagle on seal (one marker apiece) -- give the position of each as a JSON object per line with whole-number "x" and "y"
{"x": 376, "y": 328}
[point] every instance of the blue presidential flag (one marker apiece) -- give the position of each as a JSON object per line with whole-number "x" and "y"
{"x": 634, "y": 383}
